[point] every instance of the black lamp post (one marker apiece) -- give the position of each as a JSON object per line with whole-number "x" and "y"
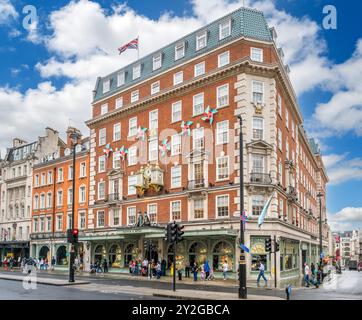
{"x": 74, "y": 137}
{"x": 242, "y": 263}
{"x": 320, "y": 195}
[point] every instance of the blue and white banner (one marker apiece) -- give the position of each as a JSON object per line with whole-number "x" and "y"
{"x": 265, "y": 211}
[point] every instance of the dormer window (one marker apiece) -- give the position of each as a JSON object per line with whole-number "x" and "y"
{"x": 180, "y": 50}
{"x": 106, "y": 85}
{"x": 157, "y": 61}
{"x": 136, "y": 71}
{"x": 120, "y": 78}
{"x": 201, "y": 40}
{"x": 224, "y": 29}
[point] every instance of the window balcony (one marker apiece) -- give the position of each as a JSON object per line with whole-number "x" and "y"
{"x": 114, "y": 197}
{"x": 196, "y": 184}
{"x": 260, "y": 178}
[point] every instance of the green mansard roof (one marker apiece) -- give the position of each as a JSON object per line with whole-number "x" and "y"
{"x": 245, "y": 22}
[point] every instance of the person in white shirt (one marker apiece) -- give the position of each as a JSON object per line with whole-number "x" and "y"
{"x": 261, "y": 274}
{"x": 225, "y": 269}
{"x": 306, "y": 274}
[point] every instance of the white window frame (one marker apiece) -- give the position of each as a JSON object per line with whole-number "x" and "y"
{"x": 225, "y": 55}
{"x": 171, "y": 210}
{"x": 134, "y": 214}
{"x": 99, "y": 195}
{"x": 176, "y": 151}
{"x": 255, "y": 53}
{"x": 116, "y": 131}
{"x": 220, "y": 132}
{"x": 218, "y": 96}
{"x": 256, "y": 128}
{"x": 153, "y": 119}
{"x": 104, "y": 108}
{"x": 153, "y": 205}
{"x": 80, "y": 216}
{"x": 121, "y": 77}
{"x": 155, "y": 87}
{"x": 199, "y": 69}
{"x": 60, "y": 199}
{"x": 119, "y": 103}
{"x": 69, "y": 196}
{"x": 174, "y": 105}
{"x": 218, "y": 159}
{"x": 132, "y": 156}
{"x": 180, "y": 45}
{"x": 135, "y": 96}
{"x": 200, "y": 36}
{"x": 222, "y": 25}
{"x": 60, "y": 177}
{"x": 153, "y": 149}
{"x": 196, "y": 136}
{"x": 157, "y": 61}
{"x": 280, "y": 103}
{"x": 102, "y": 137}
{"x": 179, "y": 172}
{"x": 106, "y": 86}
{"x": 136, "y": 71}
{"x": 83, "y": 169}
{"x": 253, "y": 86}
{"x": 82, "y": 196}
{"x": 129, "y": 184}
{"x": 132, "y": 126}
{"x": 104, "y": 218}
{"x": 177, "y": 75}
{"x": 217, "y": 206}
{"x": 194, "y": 98}
{"x": 102, "y": 163}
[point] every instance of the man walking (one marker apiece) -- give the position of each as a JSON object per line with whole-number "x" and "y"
{"x": 306, "y": 274}
{"x": 261, "y": 274}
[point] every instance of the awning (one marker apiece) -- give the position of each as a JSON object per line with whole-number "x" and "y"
{"x": 14, "y": 244}
{"x": 210, "y": 233}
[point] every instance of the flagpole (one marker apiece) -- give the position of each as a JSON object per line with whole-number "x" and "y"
{"x": 138, "y": 48}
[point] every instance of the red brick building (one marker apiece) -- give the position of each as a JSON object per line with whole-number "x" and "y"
{"x": 52, "y": 199}
{"x": 191, "y": 93}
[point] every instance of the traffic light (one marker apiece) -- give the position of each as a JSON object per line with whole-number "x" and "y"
{"x": 168, "y": 233}
{"x": 276, "y": 247}
{"x": 75, "y": 233}
{"x": 72, "y": 235}
{"x": 173, "y": 232}
{"x": 268, "y": 245}
{"x": 180, "y": 233}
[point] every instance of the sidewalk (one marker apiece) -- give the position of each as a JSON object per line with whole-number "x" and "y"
{"x": 39, "y": 280}
{"x": 209, "y": 295}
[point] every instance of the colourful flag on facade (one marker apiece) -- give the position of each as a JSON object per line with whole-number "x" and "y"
{"x": 130, "y": 45}
{"x": 265, "y": 211}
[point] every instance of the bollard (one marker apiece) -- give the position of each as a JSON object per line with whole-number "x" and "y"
{"x": 288, "y": 291}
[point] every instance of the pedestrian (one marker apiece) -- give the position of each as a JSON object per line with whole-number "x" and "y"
{"x": 158, "y": 270}
{"x": 202, "y": 273}
{"x": 41, "y": 263}
{"x": 105, "y": 266}
{"x": 11, "y": 263}
{"x": 46, "y": 264}
{"x": 52, "y": 263}
{"x": 312, "y": 268}
{"x": 207, "y": 269}
{"x": 261, "y": 274}
{"x": 306, "y": 274}
{"x": 225, "y": 269}
{"x": 211, "y": 274}
{"x": 163, "y": 267}
{"x": 195, "y": 270}
{"x": 187, "y": 269}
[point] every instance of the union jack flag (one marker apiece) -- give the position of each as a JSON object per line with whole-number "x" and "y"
{"x": 130, "y": 45}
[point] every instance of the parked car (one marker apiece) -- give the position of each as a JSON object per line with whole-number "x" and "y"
{"x": 359, "y": 268}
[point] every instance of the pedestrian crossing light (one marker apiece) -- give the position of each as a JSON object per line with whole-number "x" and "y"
{"x": 268, "y": 245}
{"x": 277, "y": 247}
{"x": 180, "y": 233}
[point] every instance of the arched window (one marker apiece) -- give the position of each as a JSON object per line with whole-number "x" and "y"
{"x": 197, "y": 253}
{"x": 36, "y": 202}
{"x": 42, "y": 201}
{"x": 223, "y": 252}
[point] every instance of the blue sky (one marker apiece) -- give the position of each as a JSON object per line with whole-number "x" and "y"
{"x": 44, "y": 69}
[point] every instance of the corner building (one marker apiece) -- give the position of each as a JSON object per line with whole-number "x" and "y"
{"x": 52, "y": 200}
{"x": 228, "y": 68}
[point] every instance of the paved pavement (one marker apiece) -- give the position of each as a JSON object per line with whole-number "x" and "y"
{"x": 345, "y": 286}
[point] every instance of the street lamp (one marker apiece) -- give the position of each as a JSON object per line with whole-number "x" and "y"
{"x": 242, "y": 263}
{"x": 319, "y": 196}
{"x": 74, "y": 136}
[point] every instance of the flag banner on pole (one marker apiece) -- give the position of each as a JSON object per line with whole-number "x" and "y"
{"x": 244, "y": 218}
{"x": 130, "y": 45}
{"x": 265, "y": 211}
{"x": 244, "y": 247}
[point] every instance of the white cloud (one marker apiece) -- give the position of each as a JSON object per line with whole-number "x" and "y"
{"x": 7, "y": 12}
{"x": 346, "y": 219}
{"x": 340, "y": 169}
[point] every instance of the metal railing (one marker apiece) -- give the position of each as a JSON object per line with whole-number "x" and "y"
{"x": 196, "y": 184}
{"x": 114, "y": 197}
{"x": 260, "y": 178}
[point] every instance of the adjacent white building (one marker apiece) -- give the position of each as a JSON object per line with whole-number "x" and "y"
{"x": 16, "y": 191}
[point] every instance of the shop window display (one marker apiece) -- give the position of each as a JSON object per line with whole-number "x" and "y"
{"x": 114, "y": 256}
{"x": 197, "y": 253}
{"x": 222, "y": 252}
{"x": 258, "y": 254}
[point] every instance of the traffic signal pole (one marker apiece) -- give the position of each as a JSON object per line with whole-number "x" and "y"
{"x": 275, "y": 261}
{"x": 174, "y": 266}
{"x": 72, "y": 253}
